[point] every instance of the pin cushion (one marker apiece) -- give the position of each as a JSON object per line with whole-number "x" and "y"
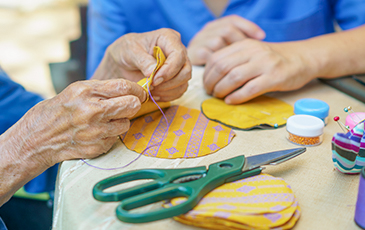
{"x": 305, "y": 130}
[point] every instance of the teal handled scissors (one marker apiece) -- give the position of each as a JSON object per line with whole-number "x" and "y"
{"x": 191, "y": 183}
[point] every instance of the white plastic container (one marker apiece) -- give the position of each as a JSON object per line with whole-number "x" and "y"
{"x": 305, "y": 130}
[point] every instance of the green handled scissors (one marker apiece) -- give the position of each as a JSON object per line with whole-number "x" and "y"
{"x": 191, "y": 183}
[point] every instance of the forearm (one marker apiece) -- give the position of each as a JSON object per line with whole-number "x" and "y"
{"x": 18, "y": 162}
{"x": 333, "y": 55}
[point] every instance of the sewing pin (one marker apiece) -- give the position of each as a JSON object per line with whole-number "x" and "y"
{"x": 348, "y": 110}
{"x": 337, "y": 119}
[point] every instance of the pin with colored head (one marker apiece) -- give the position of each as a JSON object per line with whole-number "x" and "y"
{"x": 337, "y": 119}
{"x": 275, "y": 125}
{"x": 348, "y": 109}
{"x": 353, "y": 118}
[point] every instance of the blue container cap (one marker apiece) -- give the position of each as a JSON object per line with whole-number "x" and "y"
{"x": 311, "y": 106}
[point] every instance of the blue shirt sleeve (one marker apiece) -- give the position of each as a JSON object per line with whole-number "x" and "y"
{"x": 15, "y": 101}
{"x": 2, "y": 225}
{"x": 106, "y": 23}
{"x": 349, "y": 13}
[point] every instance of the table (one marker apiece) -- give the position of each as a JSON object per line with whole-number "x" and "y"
{"x": 327, "y": 197}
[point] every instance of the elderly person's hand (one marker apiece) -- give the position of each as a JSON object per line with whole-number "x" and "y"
{"x": 219, "y": 34}
{"x": 83, "y": 121}
{"x": 130, "y": 57}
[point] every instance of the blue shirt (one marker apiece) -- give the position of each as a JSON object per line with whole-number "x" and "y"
{"x": 15, "y": 101}
{"x": 2, "y": 225}
{"x": 282, "y": 20}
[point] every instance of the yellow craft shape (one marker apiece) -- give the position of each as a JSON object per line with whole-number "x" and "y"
{"x": 224, "y": 224}
{"x": 188, "y": 134}
{"x": 260, "y": 112}
{"x": 259, "y": 202}
{"x": 148, "y": 105}
{"x": 160, "y": 58}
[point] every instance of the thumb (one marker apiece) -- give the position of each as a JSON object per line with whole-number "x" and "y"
{"x": 249, "y": 28}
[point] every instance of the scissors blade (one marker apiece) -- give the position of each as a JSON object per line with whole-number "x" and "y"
{"x": 271, "y": 158}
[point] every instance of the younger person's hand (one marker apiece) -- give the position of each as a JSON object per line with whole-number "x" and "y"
{"x": 220, "y": 33}
{"x": 249, "y": 68}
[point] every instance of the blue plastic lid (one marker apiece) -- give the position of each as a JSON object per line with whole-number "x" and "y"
{"x": 311, "y": 106}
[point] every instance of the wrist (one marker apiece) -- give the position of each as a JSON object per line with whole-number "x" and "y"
{"x": 302, "y": 60}
{"x": 17, "y": 165}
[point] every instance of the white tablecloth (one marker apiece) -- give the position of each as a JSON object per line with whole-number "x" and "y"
{"x": 327, "y": 197}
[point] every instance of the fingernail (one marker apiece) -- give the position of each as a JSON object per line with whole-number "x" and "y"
{"x": 151, "y": 87}
{"x": 260, "y": 34}
{"x": 150, "y": 69}
{"x": 157, "y": 81}
{"x": 156, "y": 98}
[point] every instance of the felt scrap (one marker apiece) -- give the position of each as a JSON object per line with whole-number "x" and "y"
{"x": 258, "y": 202}
{"x": 188, "y": 134}
{"x": 262, "y": 112}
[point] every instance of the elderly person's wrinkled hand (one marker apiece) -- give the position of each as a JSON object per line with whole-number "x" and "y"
{"x": 83, "y": 121}
{"x": 131, "y": 57}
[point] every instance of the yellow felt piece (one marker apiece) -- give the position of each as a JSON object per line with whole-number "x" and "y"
{"x": 260, "y": 112}
{"x": 262, "y": 221}
{"x": 259, "y": 202}
{"x": 160, "y": 58}
{"x": 188, "y": 134}
{"x": 224, "y": 224}
{"x": 150, "y": 106}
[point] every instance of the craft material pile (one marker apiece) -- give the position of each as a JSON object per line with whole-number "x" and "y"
{"x": 258, "y": 202}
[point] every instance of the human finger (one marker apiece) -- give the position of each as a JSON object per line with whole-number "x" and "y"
{"x": 120, "y": 107}
{"x": 118, "y": 88}
{"x": 250, "y": 90}
{"x": 92, "y": 150}
{"x": 219, "y": 65}
{"x": 249, "y": 28}
{"x": 117, "y": 127}
{"x": 176, "y": 56}
{"x": 231, "y": 34}
{"x": 234, "y": 79}
{"x": 181, "y": 78}
{"x": 215, "y": 43}
{"x": 199, "y": 56}
{"x": 171, "y": 94}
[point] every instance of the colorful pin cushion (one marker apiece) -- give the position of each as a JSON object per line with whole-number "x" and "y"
{"x": 354, "y": 118}
{"x": 348, "y": 150}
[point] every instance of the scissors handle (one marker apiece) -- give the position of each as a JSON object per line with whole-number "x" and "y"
{"x": 163, "y": 188}
{"x": 160, "y": 178}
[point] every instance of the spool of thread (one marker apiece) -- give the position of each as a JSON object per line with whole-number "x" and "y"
{"x": 313, "y": 107}
{"x": 360, "y": 204}
{"x": 354, "y": 118}
{"x": 305, "y": 130}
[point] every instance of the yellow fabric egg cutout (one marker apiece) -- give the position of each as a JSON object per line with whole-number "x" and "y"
{"x": 262, "y": 112}
{"x": 187, "y": 134}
